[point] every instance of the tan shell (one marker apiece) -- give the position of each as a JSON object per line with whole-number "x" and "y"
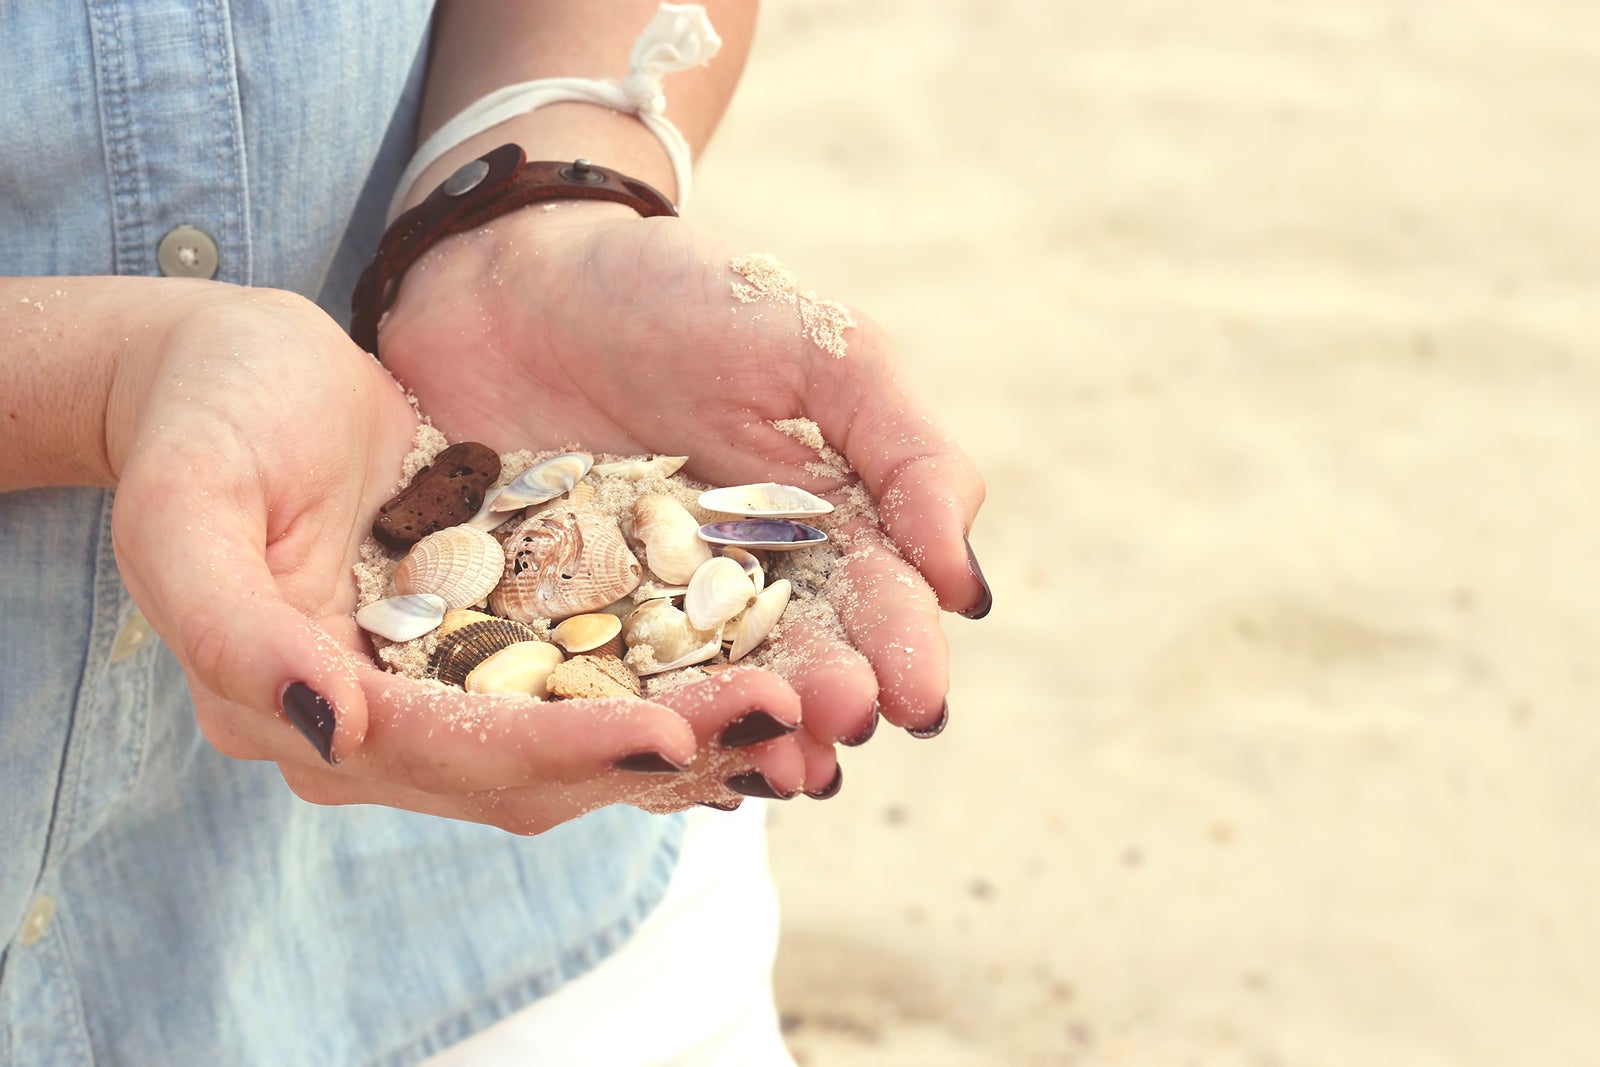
{"x": 564, "y": 563}
{"x": 456, "y": 618}
{"x": 671, "y": 537}
{"x": 659, "y": 638}
{"x": 523, "y": 667}
{"x": 463, "y": 648}
{"x": 756, "y": 622}
{"x": 634, "y": 469}
{"x": 580, "y": 494}
{"x": 596, "y": 632}
{"x": 749, "y": 561}
{"x": 583, "y": 677}
{"x": 461, "y": 565}
{"x": 719, "y": 590}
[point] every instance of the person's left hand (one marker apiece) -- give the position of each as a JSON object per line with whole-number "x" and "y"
{"x": 582, "y": 324}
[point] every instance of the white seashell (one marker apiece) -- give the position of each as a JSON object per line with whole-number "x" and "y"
{"x": 719, "y": 590}
{"x": 666, "y": 639}
{"x": 487, "y": 517}
{"x": 523, "y": 667}
{"x": 764, "y": 500}
{"x": 749, "y": 561}
{"x": 595, "y": 632}
{"x": 756, "y": 622}
{"x": 460, "y": 564}
{"x": 401, "y": 618}
{"x": 671, "y": 537}
{"x": 544, "y": 481}
{"x": 634, "y": 469}
{"x": 564, "y": 563}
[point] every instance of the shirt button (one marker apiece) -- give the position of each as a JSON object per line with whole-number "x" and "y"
{"x": 38, "y": 921}
{"x": 133, "y": 636}
{"x": 186, "y": 252}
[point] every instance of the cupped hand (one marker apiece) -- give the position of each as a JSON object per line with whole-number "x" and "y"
{"x": 580, "y": 323}
{"x": 253, "y": 444}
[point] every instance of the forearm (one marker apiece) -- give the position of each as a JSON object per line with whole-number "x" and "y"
{"x": 479, "y": 47}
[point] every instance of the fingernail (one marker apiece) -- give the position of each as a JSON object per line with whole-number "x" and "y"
{"x": 936, "y": 728}
{"x": 866, "y": 734}
{"x": 755, "y": 784}
{"x": 986, "y": 601}
{"x": 649, "y": 762}
{"x": 312, "y": 715}
{"x": 732, "y": 805}
{"x": 832, "y": 788}
{"x": 752, "y": 728}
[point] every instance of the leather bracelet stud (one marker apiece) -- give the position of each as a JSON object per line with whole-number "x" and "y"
{"x": 484, "y": 189}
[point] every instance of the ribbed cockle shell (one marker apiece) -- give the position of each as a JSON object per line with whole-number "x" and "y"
{"x": 564, "y": 563}
{"x": 461, "y": 650}
{"x": 462, "y": 565}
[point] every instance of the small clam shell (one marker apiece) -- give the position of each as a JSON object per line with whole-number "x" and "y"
{"x": 460, "y": 564}
{"x": 463, "y": 648}
{"x": 544, "y": 481}
{"x": 752, "y": 627}
{"x": 672, "y": 545}
{"x": 660, "y": 638}
{"x": 719, "y": 590}
{"x": 564, "y": 563}
{"x": 487, "y": 517}
{"x": 634, "y": 469}
{"x": 401, "y": 618}
{"x": 777, "y": 535}
{"x": 749, "y": 561}
{"x": 596, "y": 632}
{"x": 523, "y": 667}
{"x": 764, "y": 500}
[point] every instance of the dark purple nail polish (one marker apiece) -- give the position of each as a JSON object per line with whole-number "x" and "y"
{"x": 986, "y": 601}
{"x": 832, "y": 788}
{"x": 648, "y": 762}
{"x": 936, "y": 728}
{"x": 866, "y": 733}
{"x": 312, "y": 715}
{"x": 721, "y": 805}
{"x": 755, "y": 784}
{"x": 752, "y": 728}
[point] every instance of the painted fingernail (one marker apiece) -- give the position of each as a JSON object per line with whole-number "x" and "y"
{"x": 935, "y": 728}
{"x": 832, "y": 788}
{"x": 866, "y": 734}
{"x": 986, "y": 601}
{"x": 648, "y": 762}
{"x": 312, "y": 715}
{"x": 755, "y": 784}
{"x": 752, "y": 728}
{"x": 732, "y": 805}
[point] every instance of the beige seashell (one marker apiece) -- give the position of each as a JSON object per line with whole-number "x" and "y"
{"x": 581, "y": 494}
{"x": 523, "y": 667}
{"x": 719, "y": 590}
{"x": 595, "y": 632}
{"x": 543, "y": 481}
{"x": 672, "y": 545}
{"x": 750, "y": 562}
{"x": 634, "y": 469}
{"x": 464, "y": 647}
{"x": 402, "y": 618}
{"x": 756, "y": 622}
{"x": 764, "y": 500}
{"x": 564, "y": 563}
{"x": 660, "y": 638}
{"x": 456, "y": 618}
{"x": 460, "y": 564}
{"x": 488, "y": 519}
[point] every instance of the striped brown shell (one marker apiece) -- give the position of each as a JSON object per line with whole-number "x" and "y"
{"x": 464, "y": 648}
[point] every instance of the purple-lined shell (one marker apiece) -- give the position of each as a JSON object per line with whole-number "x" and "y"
{"x": 778, "y": 535}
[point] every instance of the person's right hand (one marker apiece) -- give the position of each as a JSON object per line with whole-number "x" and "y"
{"x": 253, "y": 443}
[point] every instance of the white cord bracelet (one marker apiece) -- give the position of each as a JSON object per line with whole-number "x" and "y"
{"x": 679, "y": 37}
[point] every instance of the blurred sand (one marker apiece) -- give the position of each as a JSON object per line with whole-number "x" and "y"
{"x": 1273, "y": 328}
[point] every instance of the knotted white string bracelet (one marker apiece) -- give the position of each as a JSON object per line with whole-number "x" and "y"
{"x": 678, "y": 37}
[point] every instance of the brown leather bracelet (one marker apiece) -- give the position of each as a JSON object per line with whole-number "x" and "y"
{"x": 484, "y": 189}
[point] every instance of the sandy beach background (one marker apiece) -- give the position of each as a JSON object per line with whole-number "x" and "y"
{"x": 1274, "y": 329}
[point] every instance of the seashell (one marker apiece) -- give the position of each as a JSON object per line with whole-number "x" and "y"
{"x": 401, "y": 618}
{"x": 749, "y": 561}
{"x": 672, "y": 546}
{"x": 599, "y": 633}
{"x": 581, "y": 494}
{"x": 752, "y": 627}
{"x": 764, "y": 500}
{"x": 564, "y": 563}
{"x": 456, "y": 618}
{"x": 634, "y": 469}
{"x": 652, "y": 590}
{"x": 487, "y": 517}
{"x": 660, "y": 638}
{"x": 587, "y": 677}
{"x": 461, "y": 564}
{"x": 463, "y": 648}
{"x": 544, "y": 481}
{"x": 719, "y": 590}
{"x": 520, "y": 667}
{"x": 777, "y": 535}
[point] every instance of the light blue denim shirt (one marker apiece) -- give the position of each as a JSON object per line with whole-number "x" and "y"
{"x": 159, "y": 903}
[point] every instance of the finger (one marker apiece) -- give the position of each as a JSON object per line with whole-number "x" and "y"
{"x": 838, "y": 691}
{"x": 824, "y": 776}
{"x": 747, "y": 721}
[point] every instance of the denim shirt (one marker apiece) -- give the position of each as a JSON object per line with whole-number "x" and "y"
{"x": 160, "y": 903}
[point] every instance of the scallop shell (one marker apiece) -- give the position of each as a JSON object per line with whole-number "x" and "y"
{"x": 764, "y": 500}
{"x": 749, "y": 561}
{"x": 777, "y": 535}
{"x": 460, "y": 564}
{"x": 660, "y": 638}
{"x": 463, "y": 648}
{"x": 544, "y": 481}
{"x": 752, "y": 627}
{"x": 634, "y": 469}
{"x": 521, "y": 667}
{"x": 595, "y": 632}
{"x": 564, "y": 563}
{"x": 402, "y": 618}
{"x": 581, "y": 494}
{"x": 672, "y": 546}
{"x": 719, "y": 590}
